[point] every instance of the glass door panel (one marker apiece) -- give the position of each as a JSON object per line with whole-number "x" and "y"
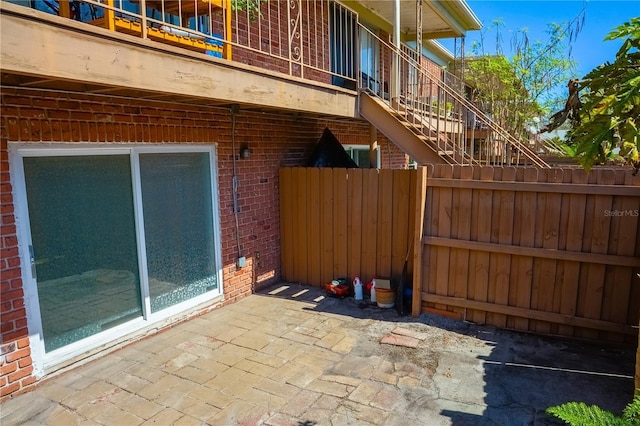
{"x": 83, "y": 234}
{"x": 179, "y": 235}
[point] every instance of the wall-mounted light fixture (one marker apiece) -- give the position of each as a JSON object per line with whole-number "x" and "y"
{"x": 245, "y": 152}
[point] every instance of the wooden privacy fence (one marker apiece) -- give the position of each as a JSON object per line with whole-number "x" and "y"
{"x": 345, "y": 222}
{"x": 553, "y": 251}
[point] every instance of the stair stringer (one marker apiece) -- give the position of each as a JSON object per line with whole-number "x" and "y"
{"x": 399, "y": 131}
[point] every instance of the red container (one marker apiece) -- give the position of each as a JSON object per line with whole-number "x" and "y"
{"x": 340, "y": 290}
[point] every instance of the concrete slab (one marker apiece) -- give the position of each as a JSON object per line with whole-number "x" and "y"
{"x": 292, "y": 358}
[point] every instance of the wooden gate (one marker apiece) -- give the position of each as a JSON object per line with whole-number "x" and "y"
{"x": 345, "y": 222}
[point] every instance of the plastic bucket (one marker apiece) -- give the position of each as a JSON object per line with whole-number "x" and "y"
{"x": 386, "y": 297}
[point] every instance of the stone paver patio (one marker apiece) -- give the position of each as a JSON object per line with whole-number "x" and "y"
{"x": 290, "y": 356}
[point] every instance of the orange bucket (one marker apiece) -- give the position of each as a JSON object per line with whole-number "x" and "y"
{"x": 386, "y": 297}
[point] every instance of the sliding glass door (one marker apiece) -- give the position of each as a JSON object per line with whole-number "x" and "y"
{"x": 118, "y": 239}
{"x": 84, "y": 244}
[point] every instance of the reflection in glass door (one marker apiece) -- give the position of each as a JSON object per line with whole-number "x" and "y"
{"x": 179, "y": 234}
{"x": 81, "y": 216}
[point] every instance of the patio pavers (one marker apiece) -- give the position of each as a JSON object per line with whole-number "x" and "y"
{"x": 300, "y": 358}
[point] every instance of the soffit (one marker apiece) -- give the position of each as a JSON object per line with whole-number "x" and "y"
{"x": 440, "y": 19}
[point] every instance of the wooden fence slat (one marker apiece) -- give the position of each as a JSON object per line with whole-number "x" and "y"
{"x": 482, "y": 260}
{"x": 536, "y": 284}
{"x": 369, "y": 224}
{"x": 630, "y": 190}
{"x": 505, "y": 236}
{"x": 571, "y": 269}
{"x": 286, "y": 223}
{"x": 340, "y": 222}
{"x": 627, "y": 229}
{"x": 300, "y": 232}
{"x": 431, "y": 224}
{"x": 563, "y": 226}
{"x": 354, "y": 225}
{"x": 546, "y": 317}
{"x": 462, "y": 220}
{"x": 413, "y": 200}
{"x": 599, "y": 244}
{"x": 471, "y": 280}
{"x": 400, "y": 220}
{"x": 444, "y": 219}
{"x": 547, "y": 287}
{"x": 419, "y": 206}
{"x": 633, "y": 315}
{"x": 385, "y": 225}
{"x": 313, "y": 227}
{"x": 535, "y": 252}
{"x": 327, "y": 211}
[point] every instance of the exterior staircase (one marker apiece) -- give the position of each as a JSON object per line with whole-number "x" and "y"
{"x": 411, "y": 131}
{"x": 432, "y": 121}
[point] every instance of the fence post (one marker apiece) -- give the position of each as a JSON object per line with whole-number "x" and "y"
{"x": 638, "y": 363}
{"x": 421, "y": 196}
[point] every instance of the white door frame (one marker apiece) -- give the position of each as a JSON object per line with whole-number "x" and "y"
{"x": 45, "y": 363}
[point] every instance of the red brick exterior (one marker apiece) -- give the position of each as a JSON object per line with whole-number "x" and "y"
{"x": 274, "y": 140}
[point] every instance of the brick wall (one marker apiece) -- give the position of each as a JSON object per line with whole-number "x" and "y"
{"x": 15, "y": 356}
{"x": 274, "y": 140}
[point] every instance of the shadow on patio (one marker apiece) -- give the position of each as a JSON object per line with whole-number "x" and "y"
{"x": 481, "y": 375}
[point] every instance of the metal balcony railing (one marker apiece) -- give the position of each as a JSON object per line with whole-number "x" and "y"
{"x": 310, "y": 39}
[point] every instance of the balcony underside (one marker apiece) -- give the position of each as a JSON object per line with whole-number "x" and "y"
{"x": 44, "y": 51}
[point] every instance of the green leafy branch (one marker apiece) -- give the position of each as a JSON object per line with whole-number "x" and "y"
{"x": 581, "y": 414}
{"x": 609, "y": 125}
{"x": 252, "y": 7}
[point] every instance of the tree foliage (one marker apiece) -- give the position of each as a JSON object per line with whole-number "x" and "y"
{"x": 500, "y": 92}
{"x": 252, "y": 7}
{"x": 581, "y": 414}
{"x": 517, "y": 88}
{"x": 609, "y": 125}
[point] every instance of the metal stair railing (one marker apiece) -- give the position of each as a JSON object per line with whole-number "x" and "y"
{"x": 439, "y": 112}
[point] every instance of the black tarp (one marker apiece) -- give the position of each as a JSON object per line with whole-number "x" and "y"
{"x": 330, "y": 153}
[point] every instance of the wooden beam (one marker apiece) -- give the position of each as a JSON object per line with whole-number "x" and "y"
{"x": 530, "y": 314}
{"x": 65, "y": 8}
{"x": 568, "y": 188}
{"x": 605, "y": 259}
{"x": 226, "y": 50}
{"x": 396, "y": 131}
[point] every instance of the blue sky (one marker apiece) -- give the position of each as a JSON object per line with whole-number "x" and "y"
{"x": 589, "y": 50}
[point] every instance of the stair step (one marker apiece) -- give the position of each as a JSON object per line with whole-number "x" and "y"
{"x": 446, "y": 152}
{"x": 424, "y": 138}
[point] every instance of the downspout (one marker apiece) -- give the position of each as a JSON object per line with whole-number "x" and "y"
{"x": 395, "y": 64}
{"x": 234, "y": 182}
